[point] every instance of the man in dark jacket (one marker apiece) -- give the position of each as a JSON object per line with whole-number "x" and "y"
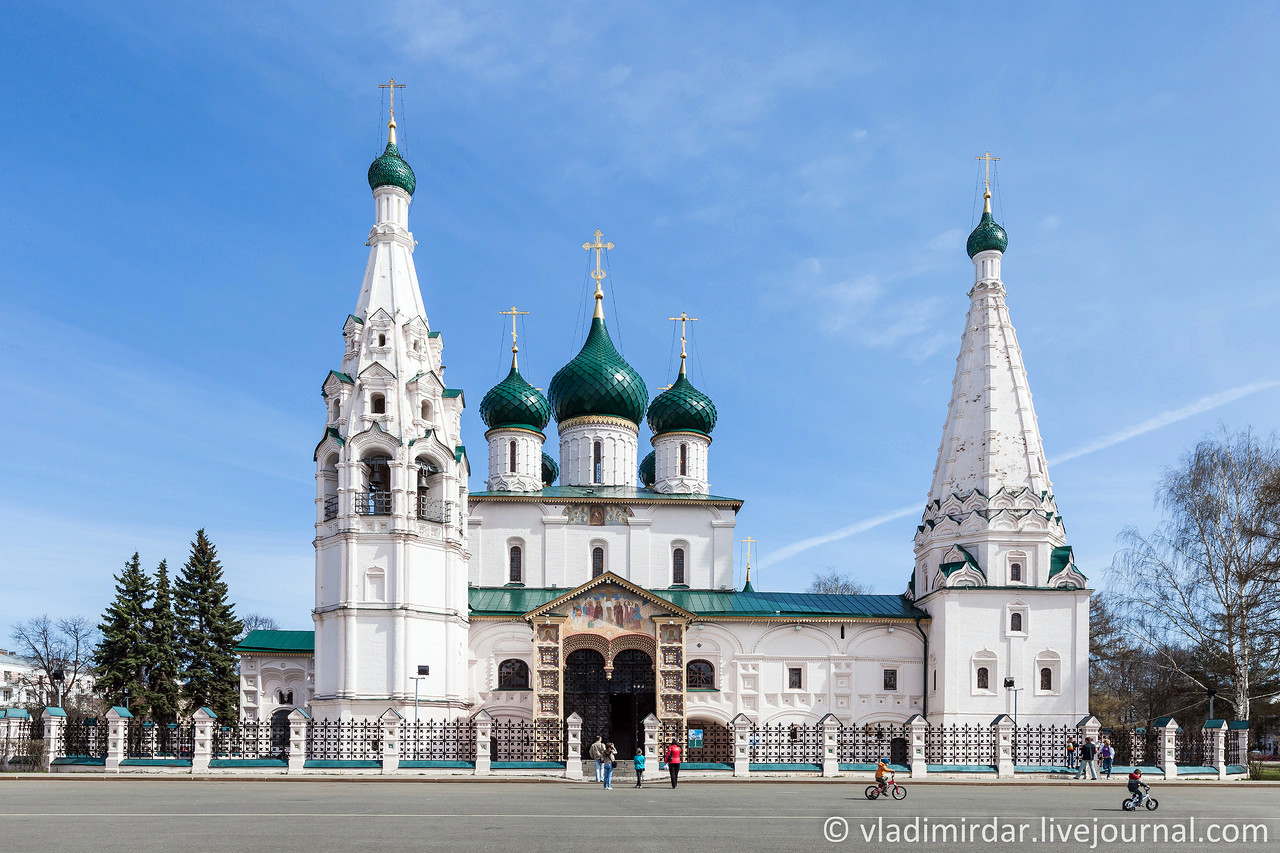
{"x": 1088, "y": 752}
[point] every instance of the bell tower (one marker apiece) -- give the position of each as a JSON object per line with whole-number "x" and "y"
{"x": 391, "y": 489}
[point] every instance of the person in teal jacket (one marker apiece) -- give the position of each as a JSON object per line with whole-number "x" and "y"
{"x": 639, "y": 760}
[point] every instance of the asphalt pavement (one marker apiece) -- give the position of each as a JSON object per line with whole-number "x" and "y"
{"x": 139, "y": 816}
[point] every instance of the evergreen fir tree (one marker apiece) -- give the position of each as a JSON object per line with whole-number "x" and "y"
{"x": 164, "y": 693}
{"x": 207, "y": 630}
{"x": 123, "y": 656}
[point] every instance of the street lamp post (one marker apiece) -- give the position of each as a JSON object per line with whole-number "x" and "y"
{"x": 1008, "y": 685}
{"x": 1212, "y": 691}
{"x": 56, "y": 677}
{"x": 423, "y": 672}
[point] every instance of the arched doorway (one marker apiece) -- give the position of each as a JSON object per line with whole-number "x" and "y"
{"x": 611, "y": 708}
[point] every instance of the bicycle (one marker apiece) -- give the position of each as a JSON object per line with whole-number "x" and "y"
{"x": 1131, "y": 802}
{"x": 891, "y": 788}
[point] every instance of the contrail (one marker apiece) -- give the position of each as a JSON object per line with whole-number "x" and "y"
{"x": 1172, "y": 416}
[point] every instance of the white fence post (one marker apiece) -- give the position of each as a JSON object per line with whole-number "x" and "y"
{"x": 55, "y": 719}
{"x": 829, "y": 736}
{"x": 917, "y": 727}
{"x": 573, "y": 746}
{"x": 1217, "y": 741}
{"x": 1168, "y": 727}
{"x": 484, "y": 752}
{"x": 1003, "y": 726}
{"x": 652, "y": 745}
{"x": 298, "y": 720}
{"x": 202, "y": 739}
{"x": 741, "y": 728}
{"x": 390, "y": 723}
{"x": 117, "y": 726}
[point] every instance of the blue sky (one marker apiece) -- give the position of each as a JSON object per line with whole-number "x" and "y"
{"x": 183, "y": 208}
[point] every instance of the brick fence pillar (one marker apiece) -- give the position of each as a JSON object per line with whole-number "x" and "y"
{"x": 117, "y": 729}
{"x": 916, "y": 728}
{"x": 1003, "y": 728}
{"x": 390, "y": 725}
{"x": 1215, "y": 736}
{"x": 829, "y": 738}
{"x": 1168, "y": 729}
{"x": 55, "y": 719}
{"x": 573, "y": 745}
{"x": 202, "y": 723}
{"x": 298, "y": 720}
{"x": 741, "y": 728}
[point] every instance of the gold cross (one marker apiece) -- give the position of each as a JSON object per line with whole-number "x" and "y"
{"x": 598, "y": 274}
{"x": 514, "y": 349}
{"x": 684, "y": 319}
{"x": 989, "y": 160}
{"x": 749, "y": 540}
{"x": 392, "y": 85}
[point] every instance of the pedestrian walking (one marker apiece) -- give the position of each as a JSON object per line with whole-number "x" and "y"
{"x": 1108, "y": 755}
{"x": 639, "y": 762}
{"x": 672, "y": 757}
{"x": 1088, "y": 751}
{"x": 610, "y": 761}
{"x": 596, "y": 753}
{"x": 1071, "y": 752}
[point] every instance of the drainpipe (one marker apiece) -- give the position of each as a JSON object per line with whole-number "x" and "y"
{"x": 924, "y": 701}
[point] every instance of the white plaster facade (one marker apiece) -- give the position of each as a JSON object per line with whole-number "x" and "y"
{"x": 274, "y": 682}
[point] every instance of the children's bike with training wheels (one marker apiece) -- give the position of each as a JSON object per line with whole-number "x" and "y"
{"x": 890, "y": 787}
{"x": 1136, "y": 799}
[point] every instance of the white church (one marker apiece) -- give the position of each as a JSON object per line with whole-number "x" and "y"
{"x": 599, "y": 578}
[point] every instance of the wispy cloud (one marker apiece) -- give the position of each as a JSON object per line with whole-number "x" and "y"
{"x": 1163, "y": 419}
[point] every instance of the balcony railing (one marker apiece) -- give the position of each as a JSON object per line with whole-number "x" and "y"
{"x": 373, "y": 503}
{"x": 331, "y": 508}
{"x": 434, "y": 509}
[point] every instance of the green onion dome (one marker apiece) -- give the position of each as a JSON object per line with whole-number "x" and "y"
{"x": 391, "y": 170}
{"x": 682, "y": 408}
{"x": 989, "y": 234}
{"x": 513, "y": 402}
{"x": 648, "y": 470}
{"x": 598, "y": 382}
{"x": 550, "y": 469}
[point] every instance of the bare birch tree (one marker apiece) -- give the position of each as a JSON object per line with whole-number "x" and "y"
{"x": 1204, "y": 581}
{"x": 54, "y": 645}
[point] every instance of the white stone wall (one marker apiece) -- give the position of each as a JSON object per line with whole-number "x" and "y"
{"x": 666, "y": 452}
{"x": 264, "y": 676}
{"x": 618, "y": 441}
{"x": 558, "y": 553}
{"x": 526, "y": 476}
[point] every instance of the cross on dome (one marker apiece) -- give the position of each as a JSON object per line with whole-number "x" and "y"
{"x": 598, "y": 274}
{"x": 514, "y": 349}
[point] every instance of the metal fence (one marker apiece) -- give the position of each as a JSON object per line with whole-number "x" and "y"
{"x": 251, "y": 739}
{"x": 84, "y": 737}
{"x": 1134, "y": 747}
{"x": 1045, "y": 746}
{"x": 1191, "y": 748}
{"x": 786, "y": 743}
{"x": 343, "y": 740}
{"x": 960, "y": 744}
{"x": 148, "y": 739}
{"x": 717, "y": 744}
{"x": 869, "y": 743}
{"x": 22, "y": 743}
{"x": 438, "y": 740}
{"x": 512, "y": 740}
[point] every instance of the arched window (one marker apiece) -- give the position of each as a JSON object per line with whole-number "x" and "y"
{"x": 511, "y": 456}
{"x": 700, "y": 675}
{"x": 382, "y": 340}
{"x": 377, "y": 497}
{"x": 1015, "y": 623}
{"x": 677, "y": 566}
{"x": 426, "y": 410}
{"x": 517, "y": 574}
{"x": 513, "y": 675}
{"x": 984, "y": 678}
{"x": 378, "y": 404}
{"x": 1046, "y": 678}
{"x": 684, "y": 459}
{"x": 597, "y": 562}
{"x": 597, "y": 463}
{"x": 337, "y": 407}
{"x": 1015, "y": 572}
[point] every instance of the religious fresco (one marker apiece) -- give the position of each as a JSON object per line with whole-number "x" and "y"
{"x": 597, "y": 515}
{"x": 608, "y": 612}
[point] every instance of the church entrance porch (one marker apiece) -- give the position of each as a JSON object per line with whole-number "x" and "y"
{"x": 613, "y": 705}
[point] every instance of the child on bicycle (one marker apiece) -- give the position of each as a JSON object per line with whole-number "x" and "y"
{"x": 1137, "y": 787}
{"x": 882, "y": 775}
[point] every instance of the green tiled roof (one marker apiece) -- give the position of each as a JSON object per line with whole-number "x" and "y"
{"x": 598, "y": 381}
{"x": 948, "y": 568}
{"x": 550, "y": 469}
{"x": 988, "y": 235}
{"x": 513, "y": 402}
{"x": 648, "y": 466}
{"x": 682, "y": 407}
{"x": 566, "y": 494}
{"x": 1059, "y": 559}
{"x": 391, "y": 170}
{"x": 505, "y": 601}
{"x": 297, "y": 642}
